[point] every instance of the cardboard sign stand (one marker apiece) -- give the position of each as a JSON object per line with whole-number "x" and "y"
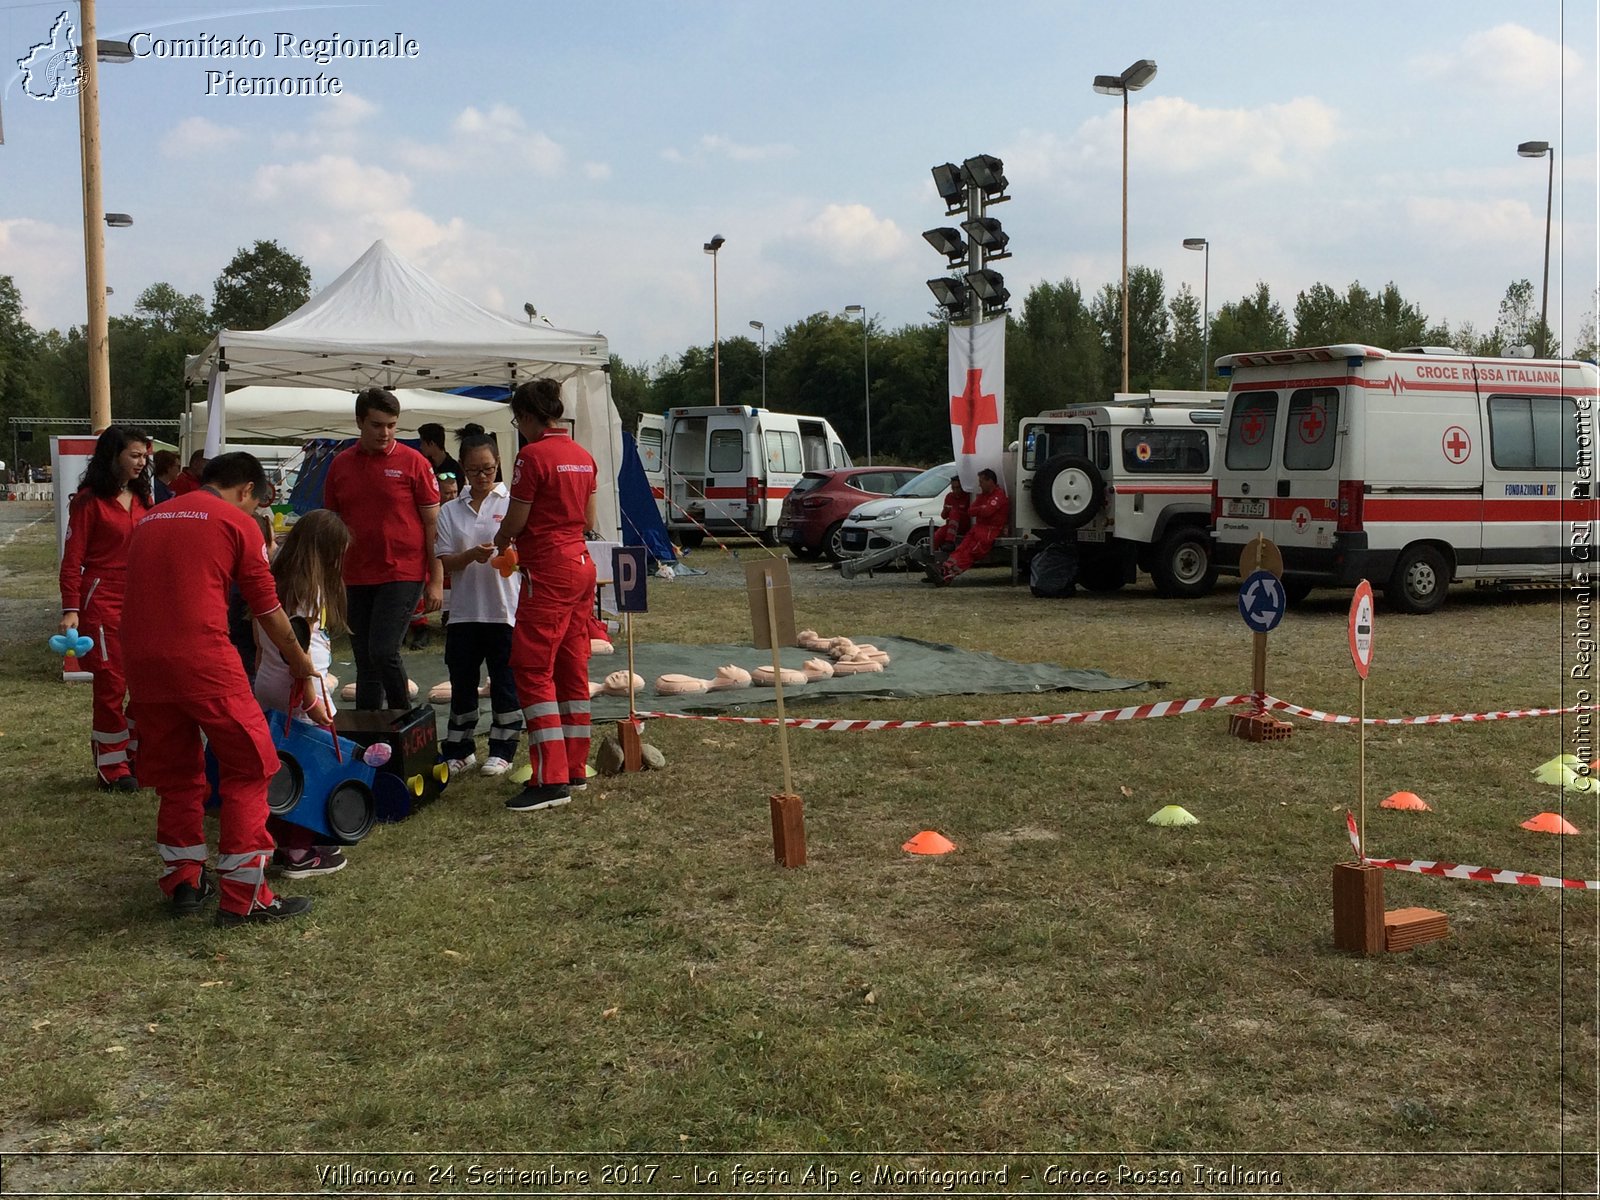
{"x": 772, "y": 617}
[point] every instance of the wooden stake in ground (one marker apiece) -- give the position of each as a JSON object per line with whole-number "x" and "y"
{"x": 772, "y": 622}
{"x": 628, "y": 731}
{"x": 1358, "y": 887}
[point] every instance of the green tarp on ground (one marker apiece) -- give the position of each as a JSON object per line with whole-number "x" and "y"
{"x": 917, "y": 669}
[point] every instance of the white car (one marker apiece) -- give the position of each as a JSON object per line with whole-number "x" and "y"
{"x": 910, "y": 515}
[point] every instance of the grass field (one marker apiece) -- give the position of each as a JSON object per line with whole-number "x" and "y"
{"x": 630, "y": 979}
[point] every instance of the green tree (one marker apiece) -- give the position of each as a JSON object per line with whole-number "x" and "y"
{"x": 259, "y": 287}
{"x": 1147, "y": 327}
{"x": 1186, "y": 348}
{"x": 1055, "y": 355}
{"x": 910, "y": 396}
{"x": 19, "y": 373}
{"x": 168, "y": 310}
{"x": 1255, "y": 322}
{"x": 1586, "y": 347}
{"x": 1322, "y": 317}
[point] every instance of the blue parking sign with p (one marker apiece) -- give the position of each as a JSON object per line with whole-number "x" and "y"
{"x": 628, "y": 572}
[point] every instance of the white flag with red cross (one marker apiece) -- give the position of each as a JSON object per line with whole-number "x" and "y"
{"x": 978, "y": 399}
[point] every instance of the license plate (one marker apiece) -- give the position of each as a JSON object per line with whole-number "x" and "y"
{"x": 1247, "y": 508}
{"x": 1091, "y": 535}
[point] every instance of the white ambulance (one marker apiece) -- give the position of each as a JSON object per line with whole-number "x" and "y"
{"x": 727, "y": 469}
{"x": 1132, "y": 480}
{"x": 1410, "y": 469}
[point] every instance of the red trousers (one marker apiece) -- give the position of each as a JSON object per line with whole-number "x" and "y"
{"x": 974, "y": 548}
{"x": 550, "y": 662}
{"x": 112, "y": 737}
{"x": 944, "y": 537}
{"x": 174, "y": 764}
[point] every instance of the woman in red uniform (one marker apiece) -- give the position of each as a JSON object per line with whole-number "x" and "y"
{"x": 113, "y": 495}
{"x": 991, "y": 511}
{"x": 551, "y": 510}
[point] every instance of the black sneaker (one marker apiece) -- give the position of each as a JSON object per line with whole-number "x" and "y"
{"x": 126, "y": 784}
{"x": 188, "y": 898}
{"x": 281, "y": 908}
{"x": 534, "y": 797}
{"x": 321, "y": 860}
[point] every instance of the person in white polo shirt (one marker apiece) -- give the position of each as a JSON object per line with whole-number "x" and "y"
{"x": 483, "y": 612}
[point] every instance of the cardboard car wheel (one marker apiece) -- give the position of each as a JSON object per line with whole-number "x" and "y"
{"x": 351, "y": 810}
{"x": 1068, "y": 491}
{"x": 286, "y": 786}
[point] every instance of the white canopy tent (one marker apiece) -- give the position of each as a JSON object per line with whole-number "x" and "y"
{"x": 293, "y": 414}
{"x": 384, "y": 323}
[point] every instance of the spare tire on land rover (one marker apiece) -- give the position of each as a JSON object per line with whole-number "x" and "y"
{"x": 1068, "y": 491}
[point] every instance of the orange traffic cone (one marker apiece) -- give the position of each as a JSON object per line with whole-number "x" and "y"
{"x": 929, "y": 842}
{"x": 1548, "y": 822}
{"x": 1407, "y": 802}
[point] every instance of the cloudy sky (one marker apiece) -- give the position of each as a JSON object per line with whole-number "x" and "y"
{"x": 578, "y": 155}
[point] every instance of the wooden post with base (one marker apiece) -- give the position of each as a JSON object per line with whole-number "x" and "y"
{"x": 1258, "y": 725}
{"x": 628, "y": 731}
{"x": 767, "y": 596}
{"x": 628, "y": 575}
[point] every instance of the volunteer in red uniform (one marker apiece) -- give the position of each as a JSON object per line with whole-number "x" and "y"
{"x": 551, "y": 510}
{"x": 114, "y": 494}
{"x": 188, "y": 479}
{"x": 386, "y": 493}
{"x": 991, "y": 512}
{"x": 187, "y": 681}
{"x": 955, "y": 517}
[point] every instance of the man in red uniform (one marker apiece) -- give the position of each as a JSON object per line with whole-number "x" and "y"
{"x": 188, "y": 479}
{"x": 386, "y": 493}
{"x": 187, "y": 680}
{"x": 552, "y": 508}
{"x": 991, "y": 512}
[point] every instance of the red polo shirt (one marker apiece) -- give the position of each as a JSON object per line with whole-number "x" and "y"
{"x": 181, "y": 558}
{"x": 98, "y": 529}
{"x": 380, "y": 497}
{"x": 184, "y": 483}
{"x": 556, "y": 476}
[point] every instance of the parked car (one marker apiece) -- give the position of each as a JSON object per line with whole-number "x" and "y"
{"x": 814, "y": 511}
{"x": 908, "y": 516}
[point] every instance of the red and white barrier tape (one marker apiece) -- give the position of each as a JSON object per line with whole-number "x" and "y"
{"x": 1315, "y": 714}
{"x": 1461, "y": 871}
{"x": 1136, "y": 712}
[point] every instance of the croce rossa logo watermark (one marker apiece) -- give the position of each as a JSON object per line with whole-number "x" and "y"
{"x": 283, "y": 64}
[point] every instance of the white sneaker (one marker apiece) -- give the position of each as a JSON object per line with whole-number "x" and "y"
{"x": 458, "y": 765}
{"x": 495, "y": 766}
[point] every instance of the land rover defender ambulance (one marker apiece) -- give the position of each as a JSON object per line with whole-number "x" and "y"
{"x": 726, "y": 470}
{"x": 1410, "y": 469}
{"x": 1132, "y": 481}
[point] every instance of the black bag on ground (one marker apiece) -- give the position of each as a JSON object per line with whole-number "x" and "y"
{"x": 1053, "y": 574}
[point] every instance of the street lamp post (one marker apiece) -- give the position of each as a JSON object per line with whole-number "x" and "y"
{"x": 1205, "y": 307}
{"x": 762, "y": 327}
{"x": 711, "y": 248}
{"x": 866, "y": 378}
{"x": 1540, "y": 150}
{"x": 1131, "y": 80}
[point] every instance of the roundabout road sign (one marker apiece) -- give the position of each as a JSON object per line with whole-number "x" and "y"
{"x": 1261, "y": 601}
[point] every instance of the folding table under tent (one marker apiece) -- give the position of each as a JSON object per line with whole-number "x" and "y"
{"x": 384, "y": 323}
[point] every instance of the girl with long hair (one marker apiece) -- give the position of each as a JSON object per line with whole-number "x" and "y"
{"x": 309, "y": 572}
{"x": 112, "y": 495}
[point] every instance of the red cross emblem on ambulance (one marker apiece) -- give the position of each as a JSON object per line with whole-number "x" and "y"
{"x": 1457, "y": 444}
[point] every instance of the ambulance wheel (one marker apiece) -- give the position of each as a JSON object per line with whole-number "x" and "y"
{"x": 1184, "y": 566}
{"x": 833, "y": 541}
{"x": 1068, "y": 491}
{"x": 768, "y": 537}
{"x": 805, "y": 552}
{"x": 1295, "y": 591}
{"x": 692, "y": 541}
{"x": 1420, "y": 580}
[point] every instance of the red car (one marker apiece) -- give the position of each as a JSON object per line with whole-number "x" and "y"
{"x": 816, "y": 508}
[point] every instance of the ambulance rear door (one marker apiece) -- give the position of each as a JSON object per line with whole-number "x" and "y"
{"x": 730, "y": 461}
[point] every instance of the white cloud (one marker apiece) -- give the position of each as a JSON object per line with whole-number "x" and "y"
{"x": 46, "y": 262}
{"x": 195, "y": 136}
{"x": 331, "y": 182}
{"x": 1508, "y": 58}
{"x": 715, "y": 145}
{"x": 596, "y": 170}
{"x": 854, "y": 233}
{"x": 502, "y": 134}
{"x": 344, "y": 111}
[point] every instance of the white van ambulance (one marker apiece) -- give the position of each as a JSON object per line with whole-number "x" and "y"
{"x": 1409, "y": 469}
{"x": 727, "y": 469}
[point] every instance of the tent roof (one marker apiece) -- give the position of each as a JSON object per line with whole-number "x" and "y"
{"x": 384, "y": 322}
{"x": 293, "y": 414}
